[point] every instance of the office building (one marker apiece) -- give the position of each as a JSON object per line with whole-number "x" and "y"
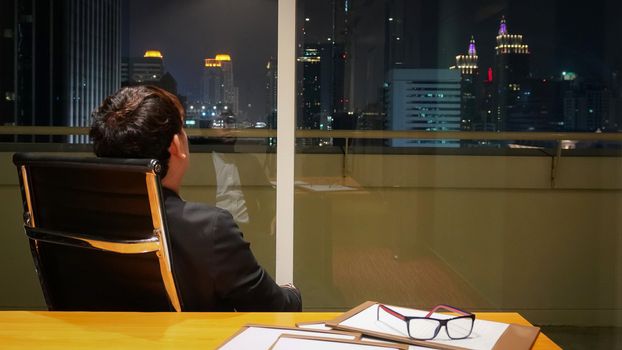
{"x": 423, "y": 100}
{"x": 7, "y": 68}
{"x": 589, "y": 106}
{"x": 217, "y": 83}
{"x": 486, "y": 120}
{"x": 271, "y": 89}
{"x": 537, "y": 106}
{"x": 212, "y": 82}
{"x": 311, "y": 88}
{"x": 511, "y": 68}
{"x": 339, "y": 51}
{"x": 468, "y": 66}
{"x": 146, "y": 69}
{"x": 67, "y": 60}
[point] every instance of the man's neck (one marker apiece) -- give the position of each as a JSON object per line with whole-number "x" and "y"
{"x": 171, "y": 184}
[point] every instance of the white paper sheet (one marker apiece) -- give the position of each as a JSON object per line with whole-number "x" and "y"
{"x": 410, "y": 347}
{"x": 321, "y": 326}
{"x": 261, "y": 338}
{"x": 286, "y": 343}
{"x": 484, "y": 336}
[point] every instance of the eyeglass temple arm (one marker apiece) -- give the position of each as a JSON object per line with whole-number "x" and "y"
{"x": 392, "y": 312}
{"x": 449, "y": 308}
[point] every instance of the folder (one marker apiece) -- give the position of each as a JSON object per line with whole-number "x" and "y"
{"x": 486, "y": 335}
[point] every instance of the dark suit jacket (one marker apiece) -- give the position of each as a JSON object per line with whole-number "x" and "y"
{"x": 214, "y": 266}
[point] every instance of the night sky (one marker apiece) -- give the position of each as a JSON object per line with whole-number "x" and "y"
{"x": 187, "y": 31}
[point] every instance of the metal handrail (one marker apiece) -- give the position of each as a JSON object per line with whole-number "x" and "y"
{"x": 350, "y": 134}
{"x": 558, "y": 137}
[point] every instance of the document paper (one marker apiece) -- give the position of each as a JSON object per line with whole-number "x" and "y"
{"x": 260, "y": 338}
{"x": 294, "y": 343}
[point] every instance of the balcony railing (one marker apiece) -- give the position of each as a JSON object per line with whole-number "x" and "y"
{"x": 556, "y": 137}
{"x": 346, "y": 134}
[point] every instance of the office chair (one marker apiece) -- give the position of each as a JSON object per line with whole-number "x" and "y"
{"x": 97, "y": 233}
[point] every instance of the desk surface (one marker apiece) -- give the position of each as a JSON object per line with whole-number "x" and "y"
{"x": 68, "y": 330}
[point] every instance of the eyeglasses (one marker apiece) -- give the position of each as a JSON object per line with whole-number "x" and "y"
{"x": 426, "y": 328}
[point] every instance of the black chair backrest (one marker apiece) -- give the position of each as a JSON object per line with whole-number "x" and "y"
{"x": 97, "y": 233}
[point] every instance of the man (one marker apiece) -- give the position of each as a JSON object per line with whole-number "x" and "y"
{"x": 213, "y": 264}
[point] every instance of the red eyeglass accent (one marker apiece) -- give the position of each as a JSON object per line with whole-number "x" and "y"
{"x": 448, "y": 308}
{"x": 392, "y": 312}
{"x": 437, "y": 307}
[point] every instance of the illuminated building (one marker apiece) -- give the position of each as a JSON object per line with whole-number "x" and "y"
{"x": 271, "y": 92}
{"x": 511, "y": 68}
{"x": 321, "y": 98}
{"x": 212, "y": 82}
{"x": 310, "y": 99}
{"x": 467, "y": 64}
{"x": 469, "y": 71}
{"x": 146, "y": 69}
{"x": 423, "y": 100}
{"x": 338, "y": 59}
{"x": 486, "y": 121}
{"x": 217, "y": 84}
{"x": 62, "y": 70}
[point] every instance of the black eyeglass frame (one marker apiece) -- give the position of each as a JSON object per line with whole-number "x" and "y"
{"x": 441, "y": 322}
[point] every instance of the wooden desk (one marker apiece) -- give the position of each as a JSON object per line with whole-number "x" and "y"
{"x": 72, "y": 330}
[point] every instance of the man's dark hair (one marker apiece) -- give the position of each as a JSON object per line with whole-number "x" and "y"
{"x": 137, "y": 122}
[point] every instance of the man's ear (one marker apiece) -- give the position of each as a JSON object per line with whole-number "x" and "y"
{"x": 176, "y": 149}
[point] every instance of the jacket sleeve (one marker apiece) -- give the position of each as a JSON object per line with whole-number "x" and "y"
{"x": 238, "y": 277}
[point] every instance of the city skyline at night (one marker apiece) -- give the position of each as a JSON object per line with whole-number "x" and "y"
{"x": 518, "y": 72}
{"x": 330, "y": 23}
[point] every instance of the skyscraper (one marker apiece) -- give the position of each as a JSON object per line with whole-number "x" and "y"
{"x": 212, "y": 82}
{"x": 271, "y": 92}
{"x": 7, "y": 68}
{"x": 217, "y": 86}
{"x": 511, "y": 68}
{"x": 311, "y": 88}
{"x": 67, "y": 56}
{"x": 149, "y": 68}
{"x": 341, "y": 55}
{"x": 469, "y": 71}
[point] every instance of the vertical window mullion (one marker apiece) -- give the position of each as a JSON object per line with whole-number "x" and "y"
{"x": 286, "y": 109}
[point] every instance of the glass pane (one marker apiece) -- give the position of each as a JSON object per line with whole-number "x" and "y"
{"x": 229, "y": 90}
{"x": 435, "y": 198}
{"x": 61, "y": 58}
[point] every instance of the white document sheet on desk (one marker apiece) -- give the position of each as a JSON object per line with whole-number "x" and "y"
{"x": 260, "y": 338}
{"x": 285, "y": 343}
{"x": 320, "y": 326}
{"x": 410, "y": 347}
{"x": 367, "y": 320}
